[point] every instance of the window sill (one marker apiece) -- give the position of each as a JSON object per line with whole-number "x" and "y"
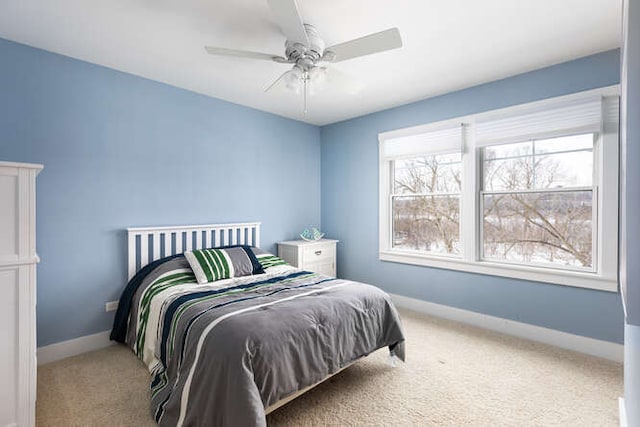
{"x": 558, "y": 277}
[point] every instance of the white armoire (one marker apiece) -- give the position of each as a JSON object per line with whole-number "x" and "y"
{"x": 18, "y": 261}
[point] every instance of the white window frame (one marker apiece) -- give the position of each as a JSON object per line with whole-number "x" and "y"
{"x": 605, "y": 257}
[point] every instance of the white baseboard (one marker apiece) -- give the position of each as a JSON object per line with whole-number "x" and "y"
{"x": 64, "y": 349}
{"x": 591, "y": 346}
{"x": 594, "y": 347}
{"x": 623, "y": 412}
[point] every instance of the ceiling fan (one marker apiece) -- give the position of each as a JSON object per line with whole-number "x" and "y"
{"x": 305, "y": 49}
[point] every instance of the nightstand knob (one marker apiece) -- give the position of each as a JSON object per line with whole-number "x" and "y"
{"x": 318, "y": 252}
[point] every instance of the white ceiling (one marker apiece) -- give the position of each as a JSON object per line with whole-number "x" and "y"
{"x": 448, "y": 45}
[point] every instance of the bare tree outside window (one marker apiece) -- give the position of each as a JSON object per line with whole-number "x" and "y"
{"x": 425, "y": 203}
{"x": 538, "y": 202}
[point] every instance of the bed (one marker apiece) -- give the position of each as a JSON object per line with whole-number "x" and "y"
{"x": 229, "y": 351}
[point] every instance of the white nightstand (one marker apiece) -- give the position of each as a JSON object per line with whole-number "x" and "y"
{"x": 318, "y": 256}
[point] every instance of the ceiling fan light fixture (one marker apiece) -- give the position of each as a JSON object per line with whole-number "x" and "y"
{"x": 317, "y": 79}
{"x": 318, "y": 75}
{"x": 293, "y": 79}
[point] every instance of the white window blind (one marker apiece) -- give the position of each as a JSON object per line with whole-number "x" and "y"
{"x": 580, "y": 116}
{"x": 442, "y": 141}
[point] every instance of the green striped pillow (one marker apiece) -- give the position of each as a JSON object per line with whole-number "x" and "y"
{"x": 210, "y": 265}
{"x": 269, "y": 260}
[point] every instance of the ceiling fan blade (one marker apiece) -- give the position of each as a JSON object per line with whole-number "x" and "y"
{"x": 373, "y": 43}
{"x": 243, "y": 54}
{"x": 289, "y": 20}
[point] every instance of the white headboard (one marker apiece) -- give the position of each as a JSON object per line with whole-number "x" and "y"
{"x": 147, "y": 244}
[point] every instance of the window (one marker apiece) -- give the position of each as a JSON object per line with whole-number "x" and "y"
{"x": 527, "y": 192}
{"x": 537, "y": 202}
{"x": 425, "y": 203}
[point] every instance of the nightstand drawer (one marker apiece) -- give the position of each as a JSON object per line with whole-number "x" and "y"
{"x": 319, "y": 253}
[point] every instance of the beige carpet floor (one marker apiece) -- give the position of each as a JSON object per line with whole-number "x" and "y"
{"x": 454, "y": 375}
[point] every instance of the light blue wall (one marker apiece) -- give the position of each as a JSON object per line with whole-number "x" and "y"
{"x": 124, "y": 151}
{"x": 630, "y": 186}
{"x": 350, "y": 207}
{"x": 121, "y": 150}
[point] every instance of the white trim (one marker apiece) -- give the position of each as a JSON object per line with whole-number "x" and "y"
{"x": 606, "y": 252}
{"x": 384, "y": 190}
{"x": 469, "y": 198}
{"x": 14, "y": 261}
{"x": 62, "y": 350}
{"x": 622, "y": 412}
{"x": 546, "y": 275}
{"x": 591, "y": 346}
{"x": 19, "y": 165}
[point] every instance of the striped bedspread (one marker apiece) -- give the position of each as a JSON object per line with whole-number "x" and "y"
{"x": 221, "y": 352}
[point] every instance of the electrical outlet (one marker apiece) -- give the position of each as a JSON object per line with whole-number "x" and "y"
{"x": 111, "y": 306}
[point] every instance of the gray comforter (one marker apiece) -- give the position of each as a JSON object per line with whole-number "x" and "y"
{"x": 220, "y": 353}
